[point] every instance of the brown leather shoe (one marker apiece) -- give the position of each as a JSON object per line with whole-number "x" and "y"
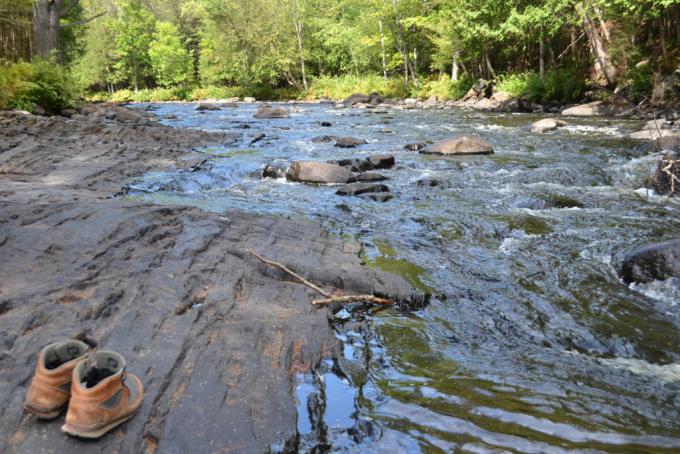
{"x": 102, "y": 396}
{"x": 51, "y": 385}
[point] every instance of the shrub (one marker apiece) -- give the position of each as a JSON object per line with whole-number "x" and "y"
{"x": 341, "y": 87}
{"x": 443, "y": 88}
{"x": 41, "y": 83}
{"x": 561, "y": 86}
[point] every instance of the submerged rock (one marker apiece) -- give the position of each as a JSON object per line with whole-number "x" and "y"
{"x": 460, "y": 145}
{"x": 272, "y": 171}
{"x": 361, "y": 188}
{"x": 271, "y": 112}
{"x": 318, "y": 172}
{"x": 349, "y": 142}
{"x": 371, "y": 176}
{"x": 377, "y": 196}
{"x": 653, "y": 262}
{"x": 323, "y": 139}
{"x": 416, "y": 146}
{"x": 547, "y": 125}
{"x": 207, "y": 106}
{"x": 378, "y": 161}
{"x": 668, "y": 143}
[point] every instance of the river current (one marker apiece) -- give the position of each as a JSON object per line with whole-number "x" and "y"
{"x": 531, "y": 343}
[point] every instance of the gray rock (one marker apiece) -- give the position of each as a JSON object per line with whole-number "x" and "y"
{"x": 657, "y": 261}
{"x": 596, "y": 109}
{"x": 272, "y": 171}
{"x": 68, "y": 113}
{"x": 417, "y": 146}
{"x": 377, "y": 196}
{"x": 323, "y": 139}
{"x": 326, "y": 124}
{"x": 370, "y": 176}
{"x": 271, "y": 112}
{"x": 381, "y": 161}
{"x": 37, "y": 110}
{"x": 349, "y": 142}
{"x": 653, "y": 134}
{"x": 249, "y": 99}
{"x": 463, "y": 144}
{"x": 318, "y": 173}
{"x": 207, "y": 106}
{"x": 355, "y": 189}
{"x": 359, "y": 98}
{"x": 547, "y": 124}
{"x": 668, "y": 143}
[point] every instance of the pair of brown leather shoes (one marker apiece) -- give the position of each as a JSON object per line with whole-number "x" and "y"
{"x": 102, "y": 395}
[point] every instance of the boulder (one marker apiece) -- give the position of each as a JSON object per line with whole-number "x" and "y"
{"x": 229, "y": 105}
{"x": 318, "y": 172}
{"x": 381, "y": 161}
{"x": 349, "y": 142}
{"x": 271, "y": 112}
{"x": 326, "y": 124}
{"x": 356, "y": 189}
{"x": 378, "y": 161}
{"x": 597, "y": 109}
{"x": 359, "y": 98}
{"x": 370, "y": 176}
{"x": 653, "y": 134}
{"x": 249, "y": 99}
{"x": 668, "y": 143}
{"x": 207, "y": 106}
{"x": 416, "y": 146}
{"x": 427, "y": 182}
{"x": 653, "y": 262}
{"x": 272, "y": 171}
{"x": 68, "y": 113}
{"x": 37, "y": 110}
{"x": 463, "y": 144}
{"x": 547, "y": 124}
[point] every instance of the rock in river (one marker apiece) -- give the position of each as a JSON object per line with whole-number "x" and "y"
{"x": 362, "y": 188}
{"x": 377, "y": 161}
{"x": 416, "y": 146}
{"x": 271, "y": 112}
{"x": 371, "y": 176}
{"x": 206, "y": 106}
{"x": 272, "y": 171}
{"x": 460, "y": 145}
{"x": 596, "y": 109}
{"x": 318, "y": 172}
{"x": 349, "y": 142}
{"x": 653, "y": 262}
{"x": 547, "y": 125}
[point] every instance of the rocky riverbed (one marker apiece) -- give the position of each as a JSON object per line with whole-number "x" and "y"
{"x": 216, "y": 336}
{"x": 553, "y": 323}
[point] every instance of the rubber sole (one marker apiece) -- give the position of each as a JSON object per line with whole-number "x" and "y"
{"x": 42, "y": 414}
{"x": 75, "y": 432}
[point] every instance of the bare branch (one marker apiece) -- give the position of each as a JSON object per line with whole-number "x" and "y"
{"x": 84, "y": 21}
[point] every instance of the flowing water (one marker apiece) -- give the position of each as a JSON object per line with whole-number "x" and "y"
{"x": 531, "y": 342}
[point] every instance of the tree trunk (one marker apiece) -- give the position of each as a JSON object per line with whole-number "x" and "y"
{"x": 454, "y": 66}
{"x": 402, "y": 42}
{"x": 541, "y": 52}
{"x": 382, "y": 49}
{"x": 46, "y": 16}
{"x": 298, "y": 32}
{"x": 603, "y": 64}
{"x": 487, "y": 60}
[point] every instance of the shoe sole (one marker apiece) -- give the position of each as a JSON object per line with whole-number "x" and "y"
{"x": 41, "y": 414}
{"x": 95, "y": 433}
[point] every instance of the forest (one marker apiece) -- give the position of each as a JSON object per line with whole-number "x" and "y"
{"x": 555, "y": 50}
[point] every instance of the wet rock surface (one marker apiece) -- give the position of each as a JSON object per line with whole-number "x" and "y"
{"x": 207, "y": 106}
{"x": 653, "y": 262}
{"x": 349, "y": 142}
{"x": 318, "y": 172}
{"x": 460, "y": 145}
{"x": 355, "y": 189}
{"x": 215, "y": 336}
{"x": 271, "y": 112}
{"x": 547, "y": 125}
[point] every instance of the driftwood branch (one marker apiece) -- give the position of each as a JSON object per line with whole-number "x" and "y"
{"x": 329, "y": 298}
{"x": 354, "y": 299}
{"x": 84, "y": 21}
{"x": 299, "y": 278}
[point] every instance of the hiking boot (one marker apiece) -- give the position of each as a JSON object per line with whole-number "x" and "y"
{"x": 51, "y": 385}
{"x": 103, "y": 395}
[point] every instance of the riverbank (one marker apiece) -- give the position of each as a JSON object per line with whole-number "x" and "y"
{"x": 215, "y": 336}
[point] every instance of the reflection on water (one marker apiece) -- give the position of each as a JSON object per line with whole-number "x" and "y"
{"x": 531, "y": 343}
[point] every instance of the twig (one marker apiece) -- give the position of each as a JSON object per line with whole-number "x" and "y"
{"x": 301, "y": 279}
{"x": 329, "y": 298}
{"x": 353, "y": 299}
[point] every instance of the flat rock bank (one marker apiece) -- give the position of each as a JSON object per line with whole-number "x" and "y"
{"x": 215, "y": 335}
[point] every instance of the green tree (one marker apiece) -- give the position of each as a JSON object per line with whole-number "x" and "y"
{"x": 134, "y": 30}
{"x": 170, "y": 60}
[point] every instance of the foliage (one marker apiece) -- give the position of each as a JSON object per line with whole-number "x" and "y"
{"x": 443, "y": 88}
{"x": 558, "y": 85}
{"x": 344, "y": 86}
{"x": 170, "y": 60}
{"x": 40, "y": 83}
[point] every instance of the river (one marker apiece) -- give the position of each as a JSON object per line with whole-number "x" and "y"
{"x": 531, "y": 342}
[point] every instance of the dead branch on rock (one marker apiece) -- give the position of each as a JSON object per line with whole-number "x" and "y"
{"x": 666, "y": 180}
{"x": 354, "y": 299}
{"x": 329, "y": 298}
